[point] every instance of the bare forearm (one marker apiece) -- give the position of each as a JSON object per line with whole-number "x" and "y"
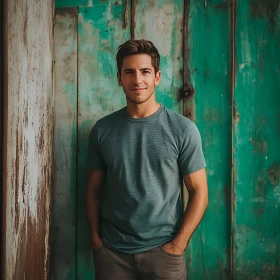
{"x": 93, "y": 213}
{"x": 193, "y": 214}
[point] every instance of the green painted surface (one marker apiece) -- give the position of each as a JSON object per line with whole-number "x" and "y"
{"x": 256, "y": 141}
{"x": 72, "y": 3}
{"x": 208, "y": 251}
{"x": 65, "y": 142}
{"x": 162, "y": 23}
{"x": 100, "y": 33}
{"x": 256, "y": 133}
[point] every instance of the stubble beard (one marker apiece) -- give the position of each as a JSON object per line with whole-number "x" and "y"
{"x": 139, "y": 102}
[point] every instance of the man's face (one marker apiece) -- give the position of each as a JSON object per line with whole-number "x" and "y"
{"x": 138, "y": 78}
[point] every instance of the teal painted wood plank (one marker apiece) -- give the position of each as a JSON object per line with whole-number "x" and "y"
{"x": 72, "y": 3}
{"x": 101, "y": 31}
{"x": 256, "y": 148}
{"x": 162, "y": 23}
{"x": 209, "y": 64}
{"x": 65, "y": 134}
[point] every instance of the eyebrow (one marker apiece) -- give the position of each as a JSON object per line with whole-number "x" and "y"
{"x": 142, "y": 69}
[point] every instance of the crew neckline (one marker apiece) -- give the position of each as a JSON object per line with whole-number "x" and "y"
{"x": 145, "y": 119}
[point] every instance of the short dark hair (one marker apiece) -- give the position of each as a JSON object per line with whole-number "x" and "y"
{"x": 142, "y": 46}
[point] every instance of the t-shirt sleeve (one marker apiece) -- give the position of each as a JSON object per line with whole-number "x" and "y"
{"x": 95, "y": 159}
{"x": 191, "y": 157}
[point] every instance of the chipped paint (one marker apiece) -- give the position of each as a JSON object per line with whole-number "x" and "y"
{"x": 156, "y": 20}
{"x": 260, "y": 145}
{"x": 188, "y": 89}
{"x": 268, "y": 9}
{"x": 100, "y": 32}
{"x": 125, "y": 21}
{"x": 132, "y": 19}
{"x": 28, "y": 145}
{"x": 210, "y": 65}
{"x": 274, "y": 174}
{"x": 65, "y": 144}
{"x": 235, "y": 117}
{"x": 256, "y": 146}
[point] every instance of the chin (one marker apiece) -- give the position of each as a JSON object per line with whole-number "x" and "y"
{"x": 137, "y": 101}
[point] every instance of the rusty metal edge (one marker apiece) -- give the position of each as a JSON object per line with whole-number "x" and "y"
{"x": 232, "y": 12}
{"x": 4, "y": 112}
{"x": 132, "y": 18}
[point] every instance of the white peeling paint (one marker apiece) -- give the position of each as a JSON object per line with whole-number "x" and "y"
{"x": 90, "y": 4}
{"x": 159, "y": 26}
{"x": 29, "y": 137}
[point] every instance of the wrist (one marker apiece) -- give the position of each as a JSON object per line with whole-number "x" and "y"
{"x": 180, "y": 243}
{"x": 96, "y": 242}
{"x": 179, "y": 246}
{"x": 95, "y": 237}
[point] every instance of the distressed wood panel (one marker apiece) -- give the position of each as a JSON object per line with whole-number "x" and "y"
{"x": 256, "y": 141}
{"x": 28, "y": 30}
{"x": 65, "y": 145}
{"x": 208, "y": 254}
{"x": 162, "y": 23}
{"x": 101, "y": 30}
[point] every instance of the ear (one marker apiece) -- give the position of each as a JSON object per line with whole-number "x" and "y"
{"x": 119, "y": 79}
{"x": 157, "y": 79}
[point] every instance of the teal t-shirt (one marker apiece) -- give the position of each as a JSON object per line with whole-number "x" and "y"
{"x": 145, "y": 160}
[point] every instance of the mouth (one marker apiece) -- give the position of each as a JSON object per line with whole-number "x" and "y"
{"x": 137, "y": 89}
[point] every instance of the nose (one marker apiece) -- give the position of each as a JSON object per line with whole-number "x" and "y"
{"x": 137, "y": 78}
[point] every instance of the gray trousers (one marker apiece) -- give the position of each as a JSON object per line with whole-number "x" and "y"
{"x": 155, "y": 264}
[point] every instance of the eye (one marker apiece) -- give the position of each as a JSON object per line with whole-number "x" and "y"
{"x": 146, "y": 72}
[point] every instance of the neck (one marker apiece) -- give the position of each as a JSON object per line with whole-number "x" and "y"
{"x": 142, "y": 110}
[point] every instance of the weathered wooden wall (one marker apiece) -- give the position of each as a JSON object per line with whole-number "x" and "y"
{"x": 209, "y": 44}
{"x": 28, "y": 133}
{"x": 256, "y": 149}
{"x": 65, "y": 143}
{"x": 228, "y": 52}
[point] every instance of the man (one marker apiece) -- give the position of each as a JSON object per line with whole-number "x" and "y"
{"x": 138, "y": 159}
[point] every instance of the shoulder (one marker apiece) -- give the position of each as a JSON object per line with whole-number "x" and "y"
{"x": 109, "y": 120}
{"x": 180, "y": 124}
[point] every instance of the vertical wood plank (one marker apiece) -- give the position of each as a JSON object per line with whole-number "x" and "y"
{"x": 162, "y": 23}
{"x": 208, "y": 253}
{"x": 65, "y": 145}
{"x": 101, "y": 30}
{"x": 256, "y": 141}
{"x": 27, "y": 145}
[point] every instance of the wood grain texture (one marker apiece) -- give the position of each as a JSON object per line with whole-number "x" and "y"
{"x": 161, "y": 22}
{"x": 28, "y": 118}
{"x": 65, "y": 145}
{"x": 233, "y": 65}
{"x": 208, "y": 253}
{"x": 256, "y": 142}
{"x": 101, "y": 31}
